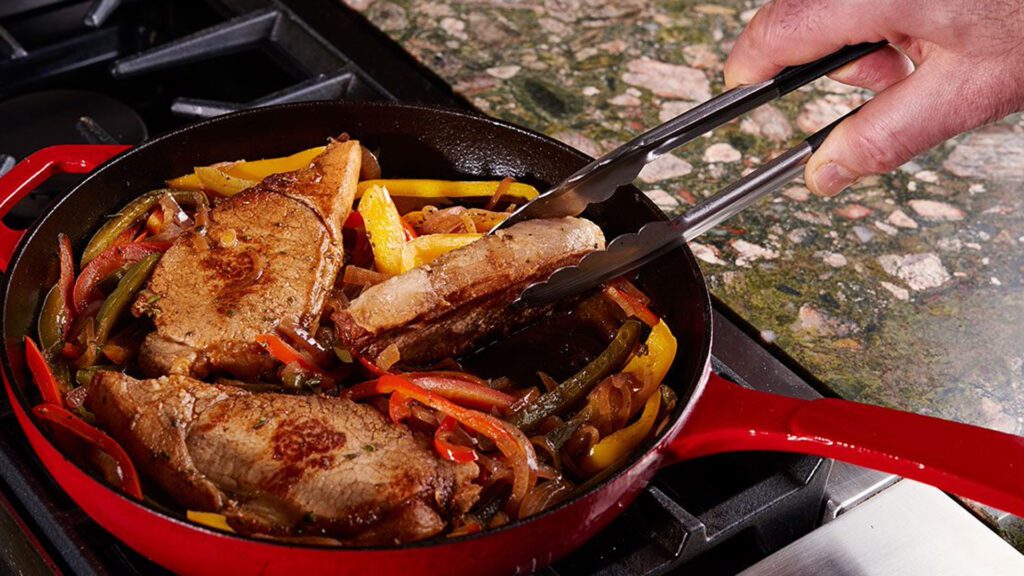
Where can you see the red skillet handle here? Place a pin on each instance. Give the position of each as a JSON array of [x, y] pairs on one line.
[[976, 463], [34, 170]]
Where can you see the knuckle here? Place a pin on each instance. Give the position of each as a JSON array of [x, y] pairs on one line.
[[769, 37], [998, 97], [880, 148], [780, 22], [769, 27]]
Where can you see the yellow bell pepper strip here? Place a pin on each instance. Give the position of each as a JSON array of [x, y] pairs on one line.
[[186, 182], [654, 361], [209, 519], [620, 443], [384, 229], [413, 188], [220, 182], [251, 170], [425, 249], [259, 169]]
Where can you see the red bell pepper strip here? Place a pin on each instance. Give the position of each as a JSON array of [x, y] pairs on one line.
[[370, 366], [410, 232], [285, 353], [470, 527], [42, 374], [354, 221], [66, 420], [511, 441], [455, 374], [362, 252], [399, 406], [87, 285], [129, 235], [71, 350], [66, 282], [447, 450], [629, 288], [631, 305], [465, 390]]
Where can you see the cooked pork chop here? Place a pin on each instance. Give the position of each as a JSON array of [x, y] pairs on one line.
[[269, 254], [444, 308], [280, 464]]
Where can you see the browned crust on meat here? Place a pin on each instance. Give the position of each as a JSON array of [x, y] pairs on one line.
[[281, 464], [150, 419], [445, 308], [327, 186], [269, 255]]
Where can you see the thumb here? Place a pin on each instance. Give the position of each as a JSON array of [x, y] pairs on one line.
[[906, 119]]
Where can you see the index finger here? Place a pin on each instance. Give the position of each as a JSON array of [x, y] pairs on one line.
[[790, 32]]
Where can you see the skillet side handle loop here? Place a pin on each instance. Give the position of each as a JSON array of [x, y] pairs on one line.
[[36, 169], [969, 461]]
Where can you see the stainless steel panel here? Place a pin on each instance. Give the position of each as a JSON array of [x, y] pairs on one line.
[[907, 530]]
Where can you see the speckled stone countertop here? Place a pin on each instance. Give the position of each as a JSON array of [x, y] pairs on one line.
[[906, 291]]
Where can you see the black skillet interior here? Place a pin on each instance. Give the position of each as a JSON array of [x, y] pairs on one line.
[[412, 141]]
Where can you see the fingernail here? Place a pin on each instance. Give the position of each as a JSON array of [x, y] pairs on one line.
[[831, 179]]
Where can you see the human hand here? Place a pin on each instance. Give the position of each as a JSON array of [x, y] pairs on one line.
[[969, 58]]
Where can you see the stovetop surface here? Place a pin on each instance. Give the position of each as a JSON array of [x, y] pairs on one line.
[[156, 65]]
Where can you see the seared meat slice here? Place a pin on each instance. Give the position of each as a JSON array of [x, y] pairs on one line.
[[269, 254], [281, 464], [445, 308]]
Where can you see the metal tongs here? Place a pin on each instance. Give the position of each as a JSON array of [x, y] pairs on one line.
[[598, 180]]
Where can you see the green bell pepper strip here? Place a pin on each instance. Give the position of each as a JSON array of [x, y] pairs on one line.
[[131, 214], [572, 391], [84, 376], [50, 320], [121, 298]]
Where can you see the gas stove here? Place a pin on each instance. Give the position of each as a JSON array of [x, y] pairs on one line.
[[119, 71]]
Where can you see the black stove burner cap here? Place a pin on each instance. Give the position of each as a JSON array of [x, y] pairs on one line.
[[40, 119]]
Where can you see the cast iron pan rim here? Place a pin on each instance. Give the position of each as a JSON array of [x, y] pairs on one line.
[[681, 409]]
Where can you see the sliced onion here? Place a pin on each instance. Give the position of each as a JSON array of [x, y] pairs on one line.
[[468, 224], [544, 449], [175, 220], [499, 192], [492, 469], [358, 276], [389, 357], [548, 382], [369, 168], [321, 355], [545, 495], [76, 397]]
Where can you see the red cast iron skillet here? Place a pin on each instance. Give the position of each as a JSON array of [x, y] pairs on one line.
[[713, 415]]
